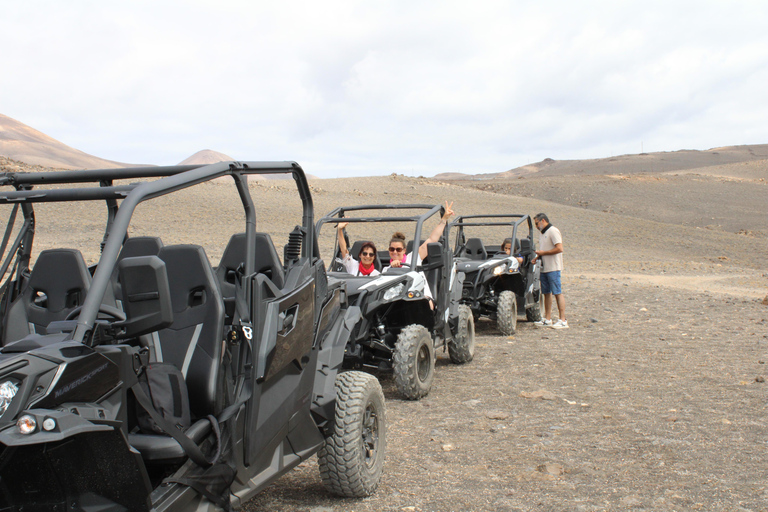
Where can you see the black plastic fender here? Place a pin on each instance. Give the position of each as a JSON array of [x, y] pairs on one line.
[[329, 361]]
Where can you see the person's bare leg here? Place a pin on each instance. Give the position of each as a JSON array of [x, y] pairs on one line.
[[548, 306], [560, 305]]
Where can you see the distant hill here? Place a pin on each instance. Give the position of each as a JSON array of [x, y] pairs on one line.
[[20, 142], [205, 157], [683, 160]]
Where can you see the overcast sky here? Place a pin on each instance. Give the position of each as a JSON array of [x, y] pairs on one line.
[[366, 88]]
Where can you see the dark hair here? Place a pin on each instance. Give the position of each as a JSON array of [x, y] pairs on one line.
[[505, 242], [541, 216], [398, 237], [367, 244]]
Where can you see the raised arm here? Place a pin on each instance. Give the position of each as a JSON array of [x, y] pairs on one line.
[[438, 231], [342, 243]]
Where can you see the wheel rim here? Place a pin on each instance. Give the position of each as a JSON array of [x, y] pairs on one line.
[[370, 437], [422, 363]]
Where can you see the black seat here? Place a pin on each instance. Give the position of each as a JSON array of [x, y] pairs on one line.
[[57, 285], [193, 343], [357, 247], [475, 250], [267, 263], [409, 246]]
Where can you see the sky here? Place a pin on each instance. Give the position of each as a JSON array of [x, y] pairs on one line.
[[362, 88]]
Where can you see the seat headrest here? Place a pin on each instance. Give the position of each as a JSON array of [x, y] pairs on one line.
[[140, 246], [190, 276], [62, 275]]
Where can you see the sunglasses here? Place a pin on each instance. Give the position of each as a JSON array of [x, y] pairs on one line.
[[366, 254], [396, 249]]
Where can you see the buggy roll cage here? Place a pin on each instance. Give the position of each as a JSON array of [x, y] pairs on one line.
[[171, 179], [515, 220], [338, 215]]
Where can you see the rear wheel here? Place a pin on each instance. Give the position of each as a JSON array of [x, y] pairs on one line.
[[461, 348], [414, 362], [533, 313], [506, 313], [352, 458]]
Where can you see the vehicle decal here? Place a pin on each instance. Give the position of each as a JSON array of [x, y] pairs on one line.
[[380, 281]]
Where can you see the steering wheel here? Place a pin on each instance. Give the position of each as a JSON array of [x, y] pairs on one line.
[[103, 308]]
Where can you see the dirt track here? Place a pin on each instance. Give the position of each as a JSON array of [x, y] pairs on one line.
[[654, 399]]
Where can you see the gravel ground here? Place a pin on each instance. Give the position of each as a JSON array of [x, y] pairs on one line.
[[654, 399]]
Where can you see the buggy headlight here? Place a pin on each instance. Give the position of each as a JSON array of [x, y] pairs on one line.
[[27, 424], [8, 390], [498, 270], [394, 292]]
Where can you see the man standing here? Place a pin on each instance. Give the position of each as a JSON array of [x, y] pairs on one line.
[[551, 253]]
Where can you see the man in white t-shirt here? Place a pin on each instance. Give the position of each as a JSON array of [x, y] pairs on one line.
[[551, 254]]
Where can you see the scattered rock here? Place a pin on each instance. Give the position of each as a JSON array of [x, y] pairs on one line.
[[765, 301], [497, 415], [543, 394], [551, 469], [448, 447], [594, 320], [759, 378]]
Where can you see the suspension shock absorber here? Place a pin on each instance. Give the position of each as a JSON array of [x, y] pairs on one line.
[[292, 249]]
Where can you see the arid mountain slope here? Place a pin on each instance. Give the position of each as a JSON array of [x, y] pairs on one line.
[[20, 142], [631, 164]]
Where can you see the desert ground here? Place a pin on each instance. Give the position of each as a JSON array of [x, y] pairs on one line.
[[654, 399]]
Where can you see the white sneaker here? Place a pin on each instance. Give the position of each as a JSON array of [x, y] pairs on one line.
[[560, 324], [544, 322]]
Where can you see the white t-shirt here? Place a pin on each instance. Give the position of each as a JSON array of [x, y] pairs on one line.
[[548, 240], [352, 266]]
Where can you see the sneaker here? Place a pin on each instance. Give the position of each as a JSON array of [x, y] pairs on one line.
[[560, 324], [544, 322]]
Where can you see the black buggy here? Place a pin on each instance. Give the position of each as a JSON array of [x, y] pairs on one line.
[[398, 330], [497, 285], [152, 381]]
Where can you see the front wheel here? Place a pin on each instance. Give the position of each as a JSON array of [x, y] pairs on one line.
[[506, 313], [413, 362], [461, 348], [352, 458]]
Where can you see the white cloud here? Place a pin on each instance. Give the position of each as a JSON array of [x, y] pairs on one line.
[[365, 88]]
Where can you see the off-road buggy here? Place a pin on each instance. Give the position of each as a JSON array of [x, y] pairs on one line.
[[496, 284], [399, 331], [152, 381]]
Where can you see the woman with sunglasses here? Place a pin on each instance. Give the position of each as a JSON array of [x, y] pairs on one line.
[[398, 257], [364, 264]]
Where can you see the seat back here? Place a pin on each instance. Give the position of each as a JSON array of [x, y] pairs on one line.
[[194, 341], [409, 246], [475, 250], [355, 251], [267, 262], [57, 285]]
